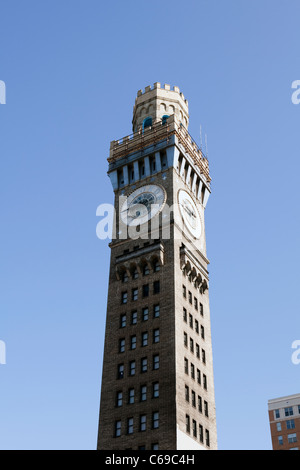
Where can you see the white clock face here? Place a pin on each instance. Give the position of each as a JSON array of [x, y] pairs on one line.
[[143, 204], [190, 213]]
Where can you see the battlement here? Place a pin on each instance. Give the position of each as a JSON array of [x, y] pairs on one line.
[[166, 87]]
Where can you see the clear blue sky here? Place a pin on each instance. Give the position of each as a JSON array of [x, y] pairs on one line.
[[72, 70]]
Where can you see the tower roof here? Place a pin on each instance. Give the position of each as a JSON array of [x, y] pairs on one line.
[[156, 102]]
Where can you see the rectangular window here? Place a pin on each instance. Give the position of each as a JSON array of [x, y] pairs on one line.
[[199, 404], [131, 396], [184, 291], [134, 317], [155, 389], [124, 297], [200, 433], [288, 411], [123, 320], [186, 365], [292, 438], [154, 446], [120, 373], [143, 423], [290, 424], [196, 303], [133, 342], [145, 290], [187, 393], [156, 335], [117, 428], [156, 311], [144, 364], [199, 376], [278, 426], [280, 440], [204, 382], [197, 326], [143, 392], [192, 371], [206, 408], [277, 414], [130, 426], [197, 350], [192, 345], [124, 276], [190, 298], [207, 441], [132, 368], [185, 315], [202, 332], [155, 420], [121, 345], [203, 356], [119, 399], [146, 270], [201, 309], [187, 424], [156, 361], [185, 339], [145, 338], [145, 313], [194, 428], [135, 294], [193, 399], [156, 287], [191, 320]]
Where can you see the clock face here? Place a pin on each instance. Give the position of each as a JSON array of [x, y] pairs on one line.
[[190, 213], [143, 204]]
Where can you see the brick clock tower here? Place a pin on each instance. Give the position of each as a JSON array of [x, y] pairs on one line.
[[157, 380]]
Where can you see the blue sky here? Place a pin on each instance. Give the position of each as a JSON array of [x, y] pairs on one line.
[[72, 70]]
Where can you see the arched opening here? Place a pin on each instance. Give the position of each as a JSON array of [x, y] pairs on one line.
[[164, 118], [147, 122]]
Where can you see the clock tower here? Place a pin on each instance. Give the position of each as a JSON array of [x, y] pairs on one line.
[[157, 380]]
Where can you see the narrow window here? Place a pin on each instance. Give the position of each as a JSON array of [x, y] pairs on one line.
[[187, 393], [197, 326], [185, 339], [199, 404], [184, 291], [135, 293], [194, 428], [145, 338], [144, 364], [143, 423], [156, 311], [206, 408], [130, 426], [156, 287], [191, 345], [119, 399], [121, 345], [156, 362], [131, 396], [143, 392], [156, 266], [117, 428], [134, 317], [145, 290], [193, 399], [123, 320], [187, 423], [124, 297], [156, 335], [145, 313], [192, 371], [146, 270], [133, 342], [155, 389], [200, 433], [186, 365], [132, 368], [207, 437], [190, 298], [120, 374], [155, 420], [184, 315]]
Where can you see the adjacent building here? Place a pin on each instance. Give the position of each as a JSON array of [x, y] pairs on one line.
[[157, 381], [284, 417]]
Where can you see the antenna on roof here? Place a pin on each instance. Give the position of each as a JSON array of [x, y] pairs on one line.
[[200, 137], [206, 149]]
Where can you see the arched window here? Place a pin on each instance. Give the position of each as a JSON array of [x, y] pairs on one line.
[[164, 118], [147, 122]]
